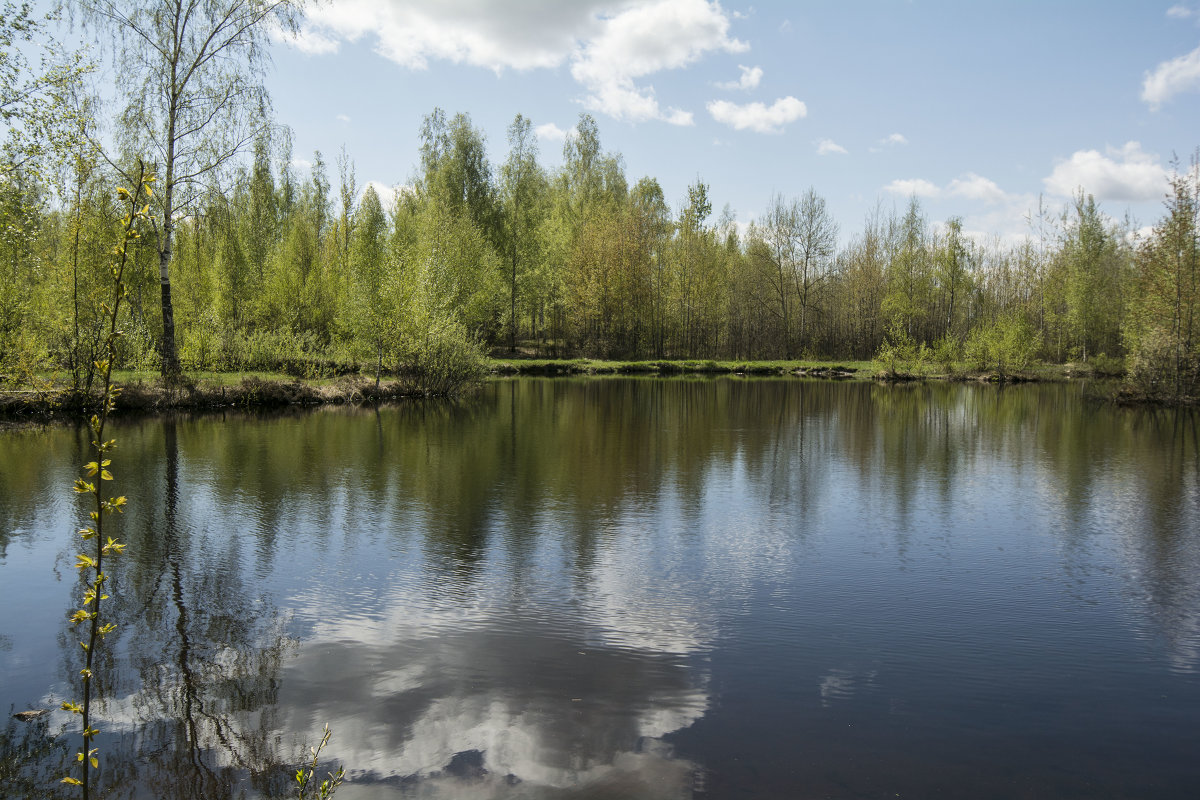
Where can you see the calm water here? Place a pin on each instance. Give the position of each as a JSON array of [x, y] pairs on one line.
[[629, 589]]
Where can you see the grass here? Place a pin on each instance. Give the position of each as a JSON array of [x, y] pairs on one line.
[[590, 366], [144, 391]]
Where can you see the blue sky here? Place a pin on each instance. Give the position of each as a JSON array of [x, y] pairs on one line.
[[977, 107]]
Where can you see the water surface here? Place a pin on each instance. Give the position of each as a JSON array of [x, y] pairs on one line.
[[633, 588]]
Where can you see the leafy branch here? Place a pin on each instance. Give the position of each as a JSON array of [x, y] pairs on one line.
[[325, 789], [98, 472]]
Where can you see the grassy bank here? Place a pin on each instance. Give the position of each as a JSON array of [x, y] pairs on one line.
[[589, 366], [861, 370], [210, 391], [145, 392]]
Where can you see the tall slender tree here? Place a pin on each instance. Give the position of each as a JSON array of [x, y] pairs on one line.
[[522, 183], [817, 234], [198, 102]]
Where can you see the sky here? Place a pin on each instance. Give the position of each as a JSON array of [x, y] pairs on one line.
[[977, 108]]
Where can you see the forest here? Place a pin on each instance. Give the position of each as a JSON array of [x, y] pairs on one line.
[[253, 265]]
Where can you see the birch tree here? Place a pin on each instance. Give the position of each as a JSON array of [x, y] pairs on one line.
[[198, 100]]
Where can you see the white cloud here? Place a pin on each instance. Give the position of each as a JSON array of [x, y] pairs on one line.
[[550, 133], [913, 186], [891, 140], [1003, 216], [343, 118], [610, 44], [1179, 12], [828, 147], [1140, 235], [976, 187], [969, 186], [643, 40], [533, 34], [757, 116], [1169, 78], [1124, 174], [309, 42], [751, 77]]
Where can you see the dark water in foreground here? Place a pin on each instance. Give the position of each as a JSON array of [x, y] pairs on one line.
[[629, 589]]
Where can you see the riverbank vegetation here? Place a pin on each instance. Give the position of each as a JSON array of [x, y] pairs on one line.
[[254, 266]]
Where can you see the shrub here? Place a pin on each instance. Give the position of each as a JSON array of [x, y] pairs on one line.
[[900, 354], [1006, 345], [1160, 368], [445, 358]]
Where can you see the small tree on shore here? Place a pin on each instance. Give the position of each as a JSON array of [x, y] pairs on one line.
[[1163, 332]]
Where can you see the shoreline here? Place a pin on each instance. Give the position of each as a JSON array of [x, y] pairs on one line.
[[143, 395], [225, 391], [250, 393]]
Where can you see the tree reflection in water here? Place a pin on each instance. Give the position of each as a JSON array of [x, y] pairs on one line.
[[637, 588]]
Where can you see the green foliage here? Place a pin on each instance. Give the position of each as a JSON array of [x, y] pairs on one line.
[[1163, 331], [900, 354], [98, 472], [947, 352], [269, 274], [35, 107], [1094, 279], [1007, 345], [1155, 369], [306, 788], [443, 358], [909, 281]]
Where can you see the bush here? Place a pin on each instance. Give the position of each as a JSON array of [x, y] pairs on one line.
[[445, 359], [900, 354], [1107, 366], [1005, 345], [948, 352], [1160, 368]]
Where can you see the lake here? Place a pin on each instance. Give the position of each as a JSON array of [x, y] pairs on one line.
[[633, 588]]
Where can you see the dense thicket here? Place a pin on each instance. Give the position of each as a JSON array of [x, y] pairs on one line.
[[276, 269]]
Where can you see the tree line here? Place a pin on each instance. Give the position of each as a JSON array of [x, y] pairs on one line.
[[254, 266]]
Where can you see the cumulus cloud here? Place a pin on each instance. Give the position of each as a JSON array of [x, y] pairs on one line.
[[1169, 78], [995, 215], [1179, 12], [641, 41], [751, 77], [891, 140], [969, 186], [758, 117], [610, 45], [310, 42], [828, 147], [976, 187], [909, 187], [1125, 174], [540, 33], [550, 133]]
